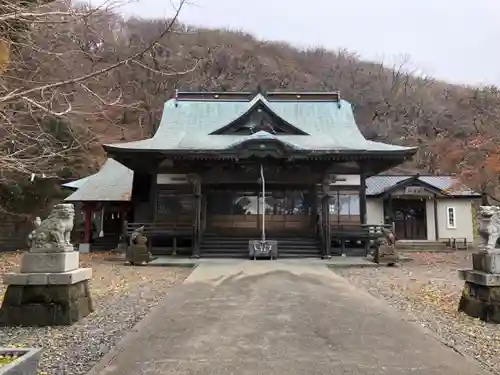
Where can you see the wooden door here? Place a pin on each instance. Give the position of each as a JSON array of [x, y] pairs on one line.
[[410, 219]]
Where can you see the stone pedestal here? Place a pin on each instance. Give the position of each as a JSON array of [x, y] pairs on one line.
[[50, 290], [481, 293], [46, 305]]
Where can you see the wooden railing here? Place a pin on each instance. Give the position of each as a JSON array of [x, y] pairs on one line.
[[159, 228], [174, 230], [367, 234]]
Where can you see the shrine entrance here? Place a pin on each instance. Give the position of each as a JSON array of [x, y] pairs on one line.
[[410, 222], [239, 212]]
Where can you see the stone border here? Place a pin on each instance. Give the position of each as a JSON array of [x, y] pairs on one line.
[[26, 364]]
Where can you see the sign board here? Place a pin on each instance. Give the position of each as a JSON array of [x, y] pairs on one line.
[[416, 190], [346, 180], [171, 179]]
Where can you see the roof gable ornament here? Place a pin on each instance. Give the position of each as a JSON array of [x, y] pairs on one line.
[[262, 145], [260, 90], [259, 117]]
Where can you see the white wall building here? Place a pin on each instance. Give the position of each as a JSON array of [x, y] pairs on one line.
[[422, 208]]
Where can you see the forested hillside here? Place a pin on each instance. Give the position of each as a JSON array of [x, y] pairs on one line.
[[82, 77]]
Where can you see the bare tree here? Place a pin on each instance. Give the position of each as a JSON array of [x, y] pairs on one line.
[[54, 59]]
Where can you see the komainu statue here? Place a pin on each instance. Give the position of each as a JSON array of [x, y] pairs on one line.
[[137, 251], [385, 250], [54, 233], [488, 227]]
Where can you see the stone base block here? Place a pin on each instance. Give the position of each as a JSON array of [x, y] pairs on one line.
[[45, 305], [50, 262], [61, 278], [486, 262], [480, 277], [480, 301]]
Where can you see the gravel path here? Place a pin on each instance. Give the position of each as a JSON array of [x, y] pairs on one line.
[[428, 289], [122, 296]]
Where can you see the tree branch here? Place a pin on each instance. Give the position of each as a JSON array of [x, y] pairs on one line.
[[19, 94]]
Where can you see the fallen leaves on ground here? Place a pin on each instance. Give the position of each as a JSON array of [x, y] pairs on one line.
[[9, 261], [109, 275]]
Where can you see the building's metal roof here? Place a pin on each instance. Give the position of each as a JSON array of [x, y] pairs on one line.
[[112, 183], [188, 124], [76, 184], [376, 185]]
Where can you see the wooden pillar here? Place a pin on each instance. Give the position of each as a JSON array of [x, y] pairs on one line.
[[362, 199], [314, 207], [87, 223], [153, 197], [325, 213], [362, 208], [328, 231], [436, 222], [197, 218], [203, 213], [391, 210]]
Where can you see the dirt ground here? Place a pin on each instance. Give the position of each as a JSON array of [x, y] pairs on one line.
[[428, 288]]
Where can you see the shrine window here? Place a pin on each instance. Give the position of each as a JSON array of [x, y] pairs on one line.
[[451, 218]]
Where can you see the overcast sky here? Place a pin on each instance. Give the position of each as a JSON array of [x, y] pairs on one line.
[[456, 40]]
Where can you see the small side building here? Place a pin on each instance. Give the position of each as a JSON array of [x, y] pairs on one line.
[[422, 208]]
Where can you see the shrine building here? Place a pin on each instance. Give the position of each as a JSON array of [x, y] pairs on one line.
[[222, 167]]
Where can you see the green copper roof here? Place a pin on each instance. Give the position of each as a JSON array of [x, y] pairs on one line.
[[186, 125]]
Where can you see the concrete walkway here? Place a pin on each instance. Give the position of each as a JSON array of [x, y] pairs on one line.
[[277, 318]]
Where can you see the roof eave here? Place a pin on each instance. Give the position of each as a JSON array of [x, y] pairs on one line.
[[390, 153]]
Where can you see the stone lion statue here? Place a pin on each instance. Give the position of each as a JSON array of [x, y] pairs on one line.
[[488, 227], [137, 251], [385, 246], [54, 233]]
